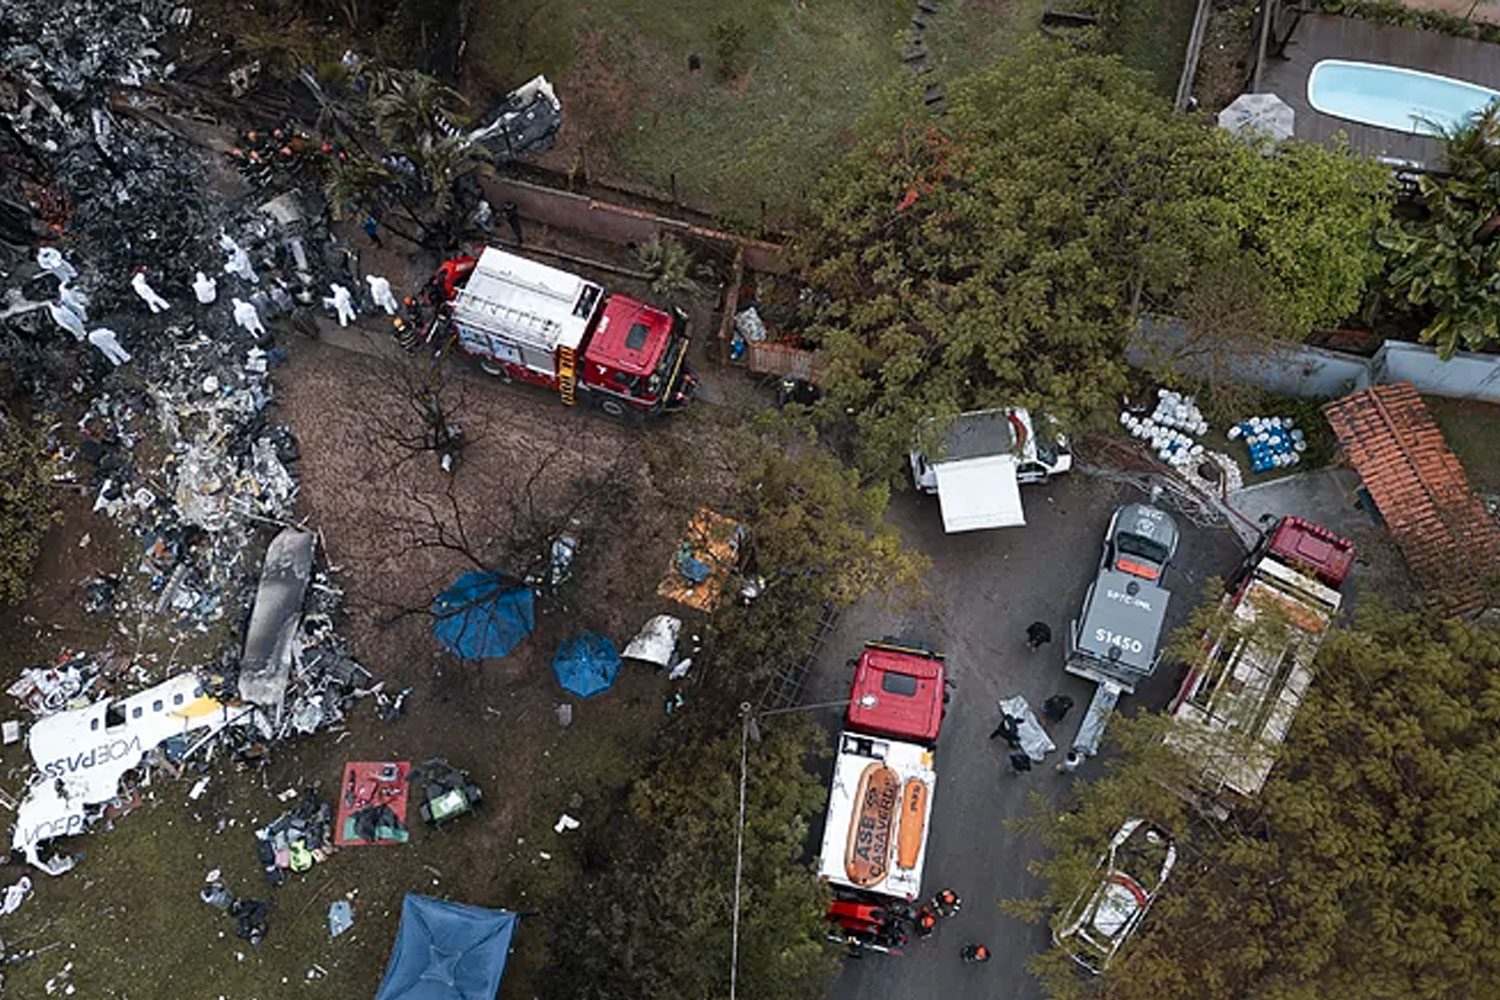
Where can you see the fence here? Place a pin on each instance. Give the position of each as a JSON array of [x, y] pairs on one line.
[[1314, 372]]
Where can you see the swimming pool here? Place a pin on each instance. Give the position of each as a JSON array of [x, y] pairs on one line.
[[1403, 100]]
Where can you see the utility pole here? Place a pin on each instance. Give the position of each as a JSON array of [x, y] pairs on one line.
[[750, 730]]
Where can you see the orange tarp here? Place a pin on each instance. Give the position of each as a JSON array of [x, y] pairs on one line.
[[713, 540]]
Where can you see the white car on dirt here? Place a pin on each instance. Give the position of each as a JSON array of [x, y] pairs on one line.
[[1113, 903]]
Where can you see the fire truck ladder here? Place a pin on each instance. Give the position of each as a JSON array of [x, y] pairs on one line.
[[567, 374]]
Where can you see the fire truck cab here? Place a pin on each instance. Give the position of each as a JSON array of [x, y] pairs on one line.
[[535, 323]]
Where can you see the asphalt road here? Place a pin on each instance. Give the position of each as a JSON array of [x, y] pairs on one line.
[[984, 588]]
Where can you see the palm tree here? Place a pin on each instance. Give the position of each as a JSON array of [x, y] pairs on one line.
[[352, 186], [408, 106], [670, 265]]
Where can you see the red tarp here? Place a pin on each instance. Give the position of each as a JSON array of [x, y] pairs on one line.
[[370, 785]]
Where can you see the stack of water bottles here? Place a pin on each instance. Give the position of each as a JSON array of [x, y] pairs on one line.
[[1273, 442], [1171, 428]]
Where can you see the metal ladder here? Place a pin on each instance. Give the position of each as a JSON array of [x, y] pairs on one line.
[[567, 374]]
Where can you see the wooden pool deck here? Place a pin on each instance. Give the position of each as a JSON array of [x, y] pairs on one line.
[[1327, 36]]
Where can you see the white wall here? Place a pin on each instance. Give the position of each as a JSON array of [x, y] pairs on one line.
[[1312, 371]]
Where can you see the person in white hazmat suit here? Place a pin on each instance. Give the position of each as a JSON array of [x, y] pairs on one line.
[[68, 320], [73, 300], [340, 302], [380, 291], [109, 345], [205, 289], [51, 260], [239, 261], [246, 316], [148, 294]]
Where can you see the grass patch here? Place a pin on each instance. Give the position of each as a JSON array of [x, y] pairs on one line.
[[1470, 429], [1153, 36], [755, 133]]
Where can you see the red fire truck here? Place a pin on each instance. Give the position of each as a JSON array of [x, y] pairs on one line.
[[880, 801], [534, 323]]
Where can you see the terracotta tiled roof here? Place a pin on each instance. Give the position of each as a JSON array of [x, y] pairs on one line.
[[1449, 539]]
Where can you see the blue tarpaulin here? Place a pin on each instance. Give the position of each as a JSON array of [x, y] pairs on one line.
[[483, 614], [586, 664], [447, 951]]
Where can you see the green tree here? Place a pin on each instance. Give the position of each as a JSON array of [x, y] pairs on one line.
[[1308, 216], [656, 920], [1369, 867], [407, 106], [1002, 258], [26, 506], [1445, 262], [353, 186], [653, 915], [819, 539], [670, 265], [1005, 256]]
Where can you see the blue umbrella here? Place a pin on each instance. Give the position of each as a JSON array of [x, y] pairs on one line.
[[447, 951], [482, 615], [586, 664]]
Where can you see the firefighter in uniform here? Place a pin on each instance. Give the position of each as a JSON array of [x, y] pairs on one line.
[[405, 334]]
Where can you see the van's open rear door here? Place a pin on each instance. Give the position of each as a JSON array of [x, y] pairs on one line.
[[979, 493]]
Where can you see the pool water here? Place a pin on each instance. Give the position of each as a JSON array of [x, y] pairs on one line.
[[1392, 97]]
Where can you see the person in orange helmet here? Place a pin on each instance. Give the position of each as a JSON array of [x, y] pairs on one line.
[[947, 903], [975, 953], [925, 921]]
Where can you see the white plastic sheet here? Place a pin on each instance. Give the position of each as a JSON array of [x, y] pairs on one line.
[[1035, 742]]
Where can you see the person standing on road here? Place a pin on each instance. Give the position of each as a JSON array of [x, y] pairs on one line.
[[1070, 763], [372, 229], [1019, 762], [1038, 634], [947, 903], [974, 953], [1055, 708]]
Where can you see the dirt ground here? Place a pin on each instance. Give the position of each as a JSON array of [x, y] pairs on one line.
[[128, 923]]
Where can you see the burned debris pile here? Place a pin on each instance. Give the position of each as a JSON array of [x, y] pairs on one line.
[[136, 287]]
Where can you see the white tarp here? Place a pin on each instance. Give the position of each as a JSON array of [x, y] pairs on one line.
[[656, 642], [1035, 742], [81, 755], [979, 493]]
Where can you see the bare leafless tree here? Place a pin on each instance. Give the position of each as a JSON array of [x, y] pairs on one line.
[[430, 422]]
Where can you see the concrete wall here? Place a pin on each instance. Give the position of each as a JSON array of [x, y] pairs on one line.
[[1312, 372], [619, 224], [1306, 371], [1464, 376]]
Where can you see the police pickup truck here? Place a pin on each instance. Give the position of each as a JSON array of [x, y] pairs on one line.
[[1114, 642]]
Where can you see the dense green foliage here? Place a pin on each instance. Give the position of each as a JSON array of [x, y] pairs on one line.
[[26, 507], [1444, 262], [653, 919], [653, 915], [1005, 257], [1368, 868]]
